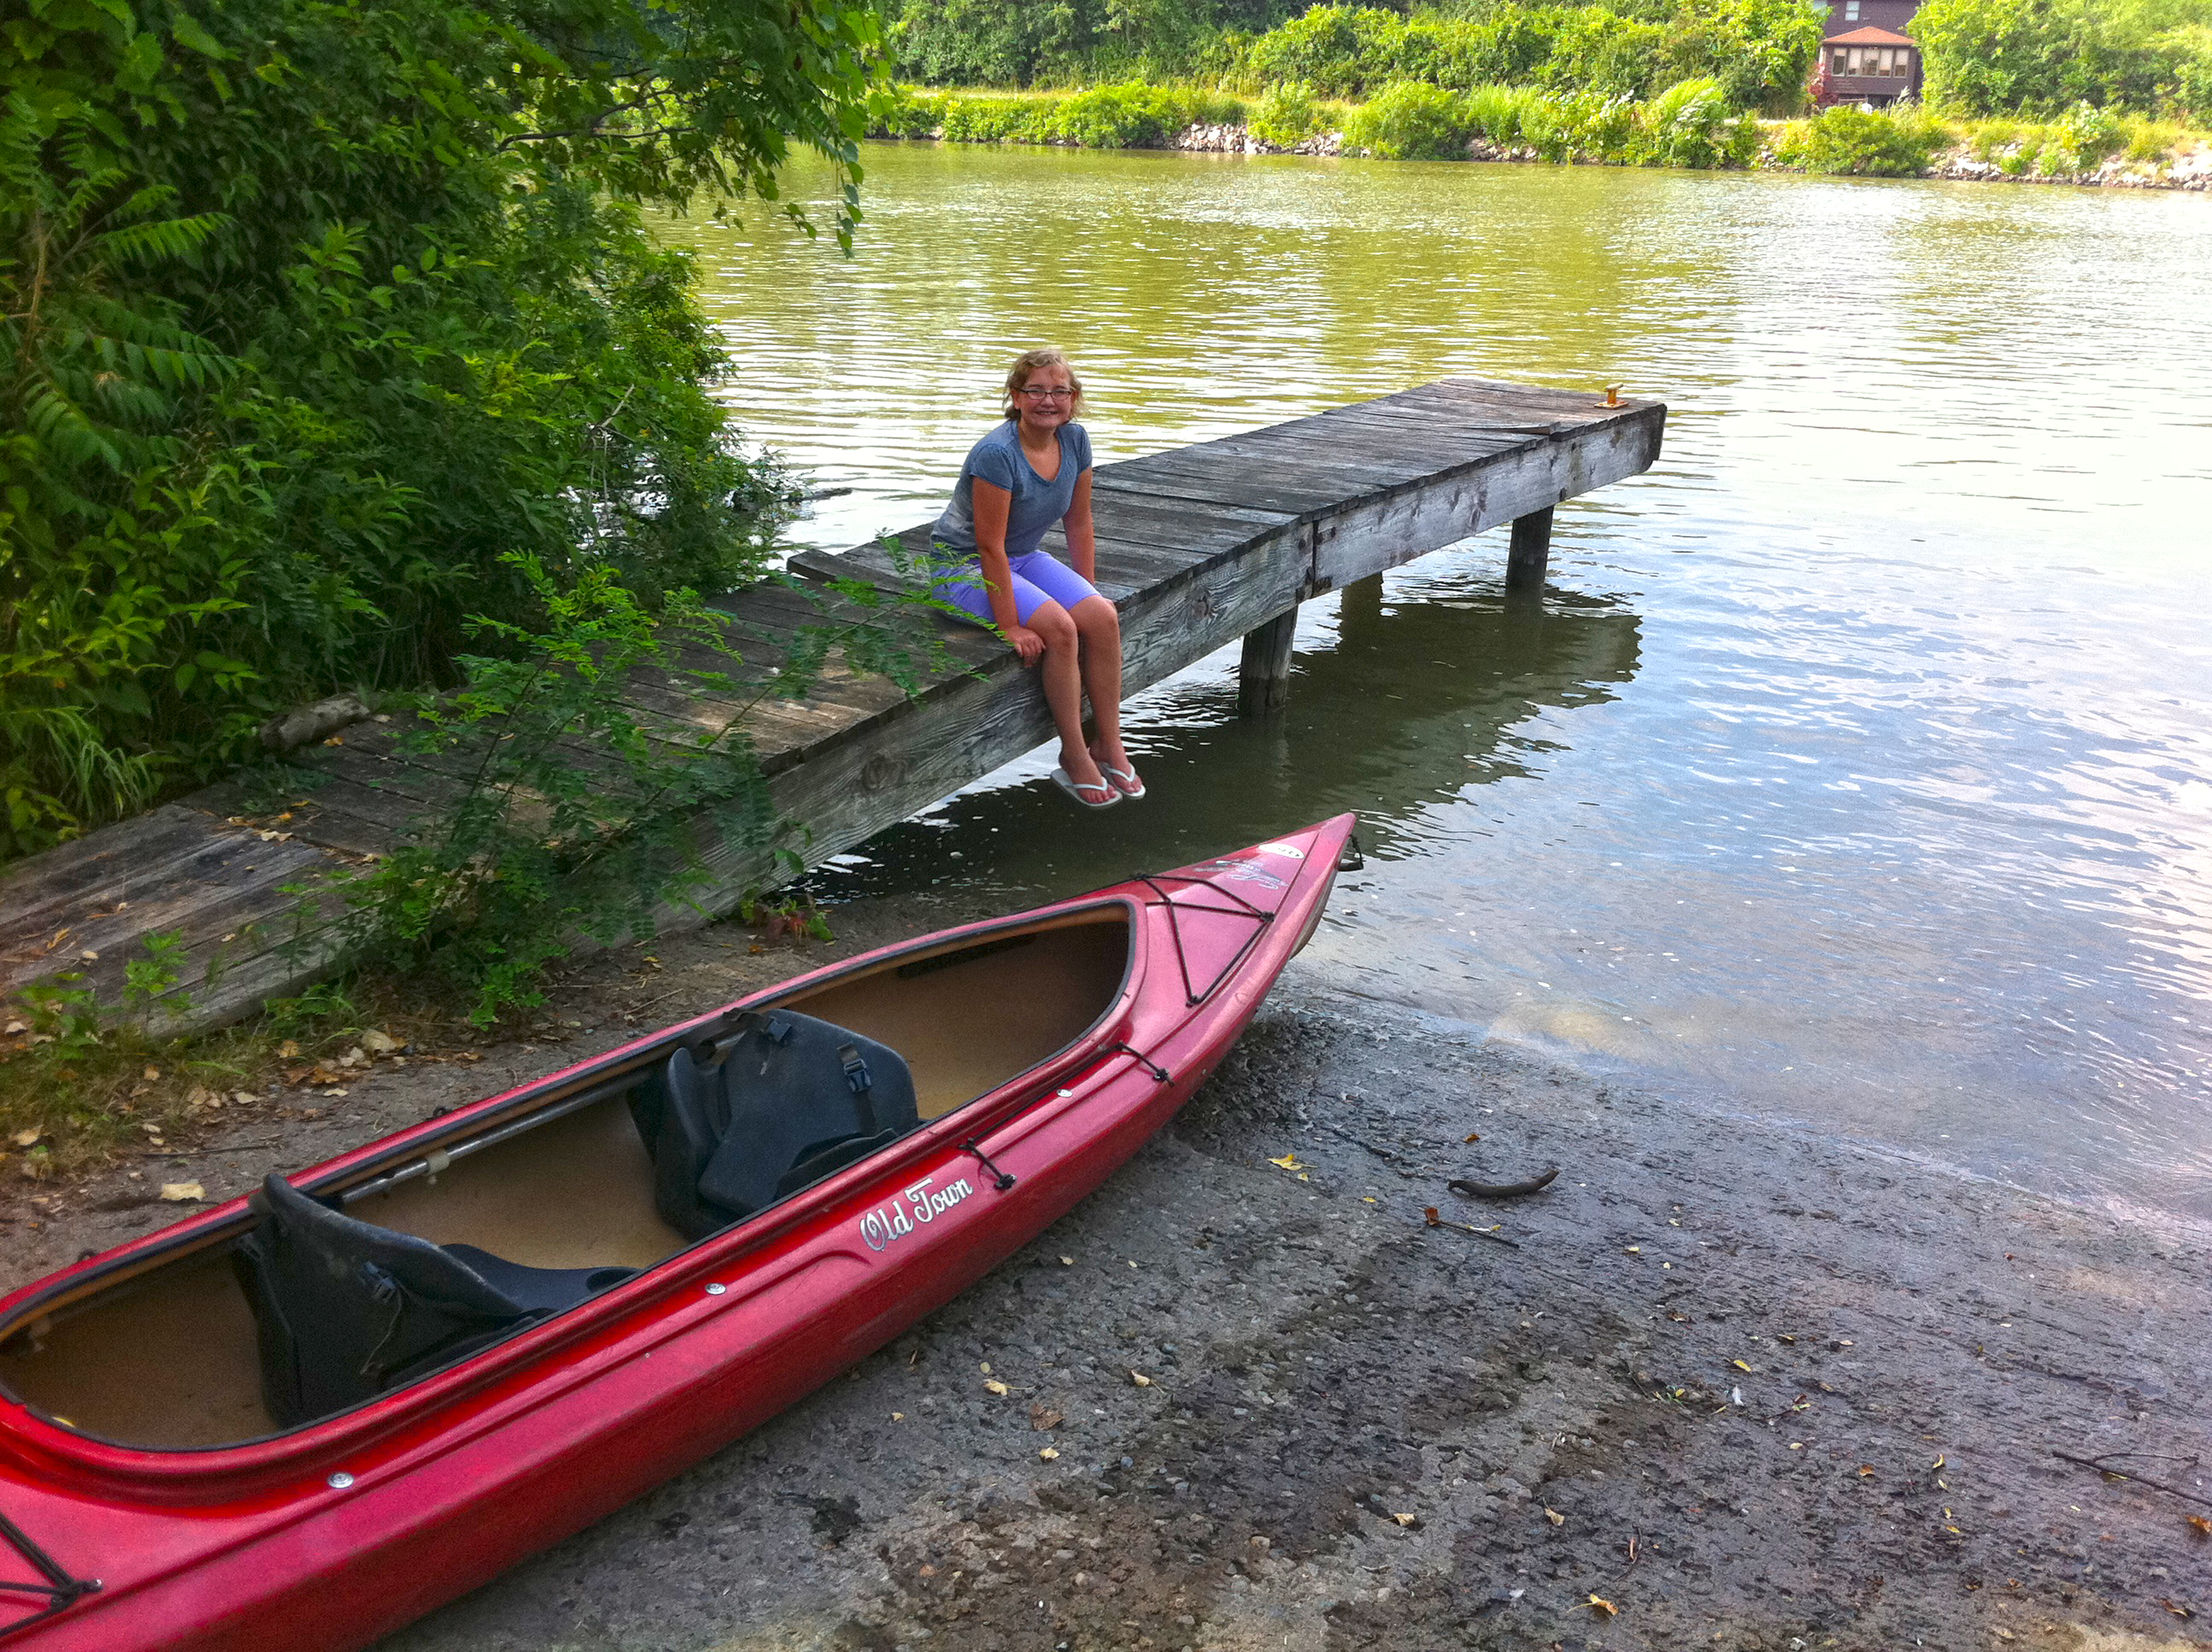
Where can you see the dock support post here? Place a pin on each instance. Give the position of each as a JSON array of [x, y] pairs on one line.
[[1263, 681], [1530, 551]]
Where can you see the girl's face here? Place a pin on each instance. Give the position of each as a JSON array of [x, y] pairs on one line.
[[1046, 398]]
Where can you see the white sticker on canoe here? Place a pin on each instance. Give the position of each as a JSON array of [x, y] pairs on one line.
[[1237, 871], [1284, 849], [918, 1206]]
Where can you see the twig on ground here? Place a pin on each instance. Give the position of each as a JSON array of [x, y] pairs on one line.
[[2103, 1465], [208, 1153], [1436, 1220], [1535, 1184], [1386, 1153]]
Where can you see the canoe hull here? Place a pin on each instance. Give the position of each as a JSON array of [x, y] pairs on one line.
[[453, 1485]]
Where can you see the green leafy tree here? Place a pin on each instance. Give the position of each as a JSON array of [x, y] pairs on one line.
[[2187, 53], [2041, 57], [312, 311]]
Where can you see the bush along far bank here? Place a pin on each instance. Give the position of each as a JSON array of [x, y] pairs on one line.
[[1688, 124]]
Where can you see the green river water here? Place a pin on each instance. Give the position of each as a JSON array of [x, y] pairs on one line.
[[1858, 767]]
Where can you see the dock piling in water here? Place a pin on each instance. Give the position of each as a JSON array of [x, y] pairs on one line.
[[1529, 551], [1198, 546], [1263, 678]]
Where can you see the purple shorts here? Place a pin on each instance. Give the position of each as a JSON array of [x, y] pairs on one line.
[[1039, 578]]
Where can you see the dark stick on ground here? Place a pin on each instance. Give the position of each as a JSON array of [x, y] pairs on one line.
[[1535, 1184], [2104, 1465]]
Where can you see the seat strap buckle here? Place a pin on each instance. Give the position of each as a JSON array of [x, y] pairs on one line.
[[857, 1077]]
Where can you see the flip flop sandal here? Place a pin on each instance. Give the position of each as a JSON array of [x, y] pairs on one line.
[[1125, 781], [1076, 789]]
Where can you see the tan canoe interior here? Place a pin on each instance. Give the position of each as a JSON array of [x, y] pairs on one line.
[[167, 1358]]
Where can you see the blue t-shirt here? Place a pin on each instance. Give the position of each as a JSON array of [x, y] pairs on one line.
[[1037, 504]]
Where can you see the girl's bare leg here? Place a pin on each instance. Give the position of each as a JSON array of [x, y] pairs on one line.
[[1063, 689], [1099, 627]]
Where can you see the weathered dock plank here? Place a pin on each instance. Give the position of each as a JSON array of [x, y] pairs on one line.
[[1198, 546]]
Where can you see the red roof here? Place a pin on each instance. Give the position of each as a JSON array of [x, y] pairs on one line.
[[1868, 37]]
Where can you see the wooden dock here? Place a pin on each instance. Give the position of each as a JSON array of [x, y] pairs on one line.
[[1197, 546]]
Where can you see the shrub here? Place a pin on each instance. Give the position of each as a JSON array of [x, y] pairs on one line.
[[986, 120], [1894, 143], [1547, 126], [1207, 106], [1496, 111], [1411, 121], [1607, 128], [2080, 139], [1131, 117], [1288, 115], [1691, 125]]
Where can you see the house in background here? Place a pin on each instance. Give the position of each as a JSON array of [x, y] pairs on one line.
[[1866, 65], [1868, 55]]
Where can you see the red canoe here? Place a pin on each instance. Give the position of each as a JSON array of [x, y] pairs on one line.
[[305, 1419]]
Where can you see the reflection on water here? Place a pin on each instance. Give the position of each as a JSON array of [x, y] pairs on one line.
[[1857, 766], [1365, 730]]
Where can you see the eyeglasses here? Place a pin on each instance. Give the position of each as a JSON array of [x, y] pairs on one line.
[[1037, 394]]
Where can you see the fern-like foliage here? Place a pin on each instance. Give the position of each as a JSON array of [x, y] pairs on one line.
[[311, 310]]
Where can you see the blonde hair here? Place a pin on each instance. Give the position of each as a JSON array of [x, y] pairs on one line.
[[1026, 364]]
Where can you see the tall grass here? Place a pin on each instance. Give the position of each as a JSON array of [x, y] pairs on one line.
[[1496, 111]]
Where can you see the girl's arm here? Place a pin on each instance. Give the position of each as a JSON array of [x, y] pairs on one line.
[[990, 503], [1082, 540]]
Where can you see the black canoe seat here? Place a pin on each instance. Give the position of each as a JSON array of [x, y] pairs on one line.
[[346, 1310], [736, 1125]]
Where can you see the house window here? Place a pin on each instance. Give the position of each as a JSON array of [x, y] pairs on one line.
[[1850, 11]]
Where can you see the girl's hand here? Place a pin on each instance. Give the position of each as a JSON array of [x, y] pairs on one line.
[[1026, 643]]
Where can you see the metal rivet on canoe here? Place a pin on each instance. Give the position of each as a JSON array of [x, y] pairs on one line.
[[339, 1481], [716, 1289]]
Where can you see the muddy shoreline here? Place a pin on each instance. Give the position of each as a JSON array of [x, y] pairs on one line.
[[1746, 1386]]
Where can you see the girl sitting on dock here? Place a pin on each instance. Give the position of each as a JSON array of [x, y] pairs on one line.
[[1032, 471]]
